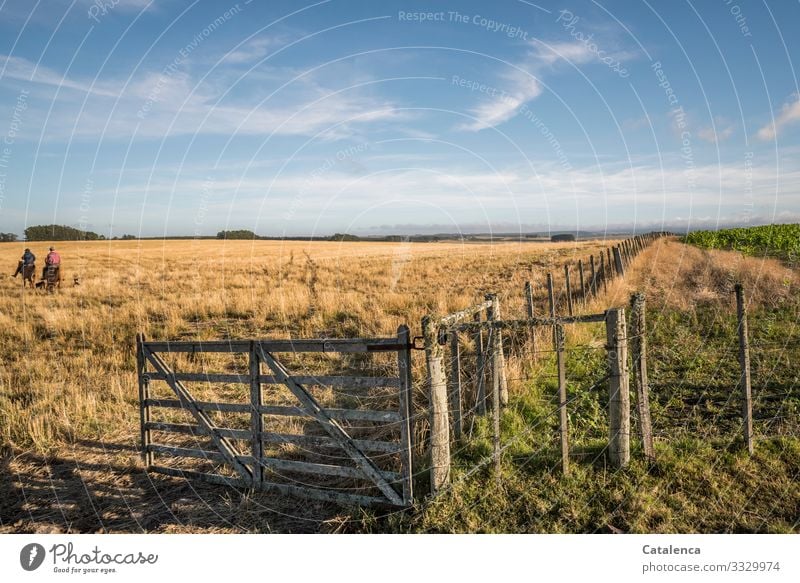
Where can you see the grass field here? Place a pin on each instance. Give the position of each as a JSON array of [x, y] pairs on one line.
[[68, 396]]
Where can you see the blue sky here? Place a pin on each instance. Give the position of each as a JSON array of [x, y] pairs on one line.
[[185, 118]]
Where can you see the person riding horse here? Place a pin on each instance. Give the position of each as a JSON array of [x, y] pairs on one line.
[[52, 268], [26, 267]]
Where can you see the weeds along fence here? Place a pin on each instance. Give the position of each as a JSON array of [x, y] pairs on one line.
[[470, 344], [334, 419]]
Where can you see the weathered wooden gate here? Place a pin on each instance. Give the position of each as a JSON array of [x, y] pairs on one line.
[[305, 435]]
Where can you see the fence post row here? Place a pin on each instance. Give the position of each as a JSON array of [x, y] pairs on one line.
[[639, 359], [744, 364], [496, 347], [618, 388], [437, 398]]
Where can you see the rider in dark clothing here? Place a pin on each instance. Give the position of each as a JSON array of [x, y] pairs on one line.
[[28, 260]]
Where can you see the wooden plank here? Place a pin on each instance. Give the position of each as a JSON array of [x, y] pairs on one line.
[[618, 389], [563, 419], [346, 382], [173, 451], [405, 413], [341, 414], [353, 382], [322, 441], [517, 324], [286, 345], [639, 359], [456, 317], [284, 489], [256, 420], [224, 445], [202, 405], [480, 364], [437, 398], [454, 380], [321, 469], [744, 364], [186, 429], [336, 432], [144, 407]]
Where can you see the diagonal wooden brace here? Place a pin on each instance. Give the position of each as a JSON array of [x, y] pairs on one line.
[[337, 433], [225, 446]]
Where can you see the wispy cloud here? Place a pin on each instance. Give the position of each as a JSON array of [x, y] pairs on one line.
[[168, 103], [721, 130], [790, 113], [523, 83]]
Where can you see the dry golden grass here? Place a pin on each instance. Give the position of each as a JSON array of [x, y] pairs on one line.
[[68, 395], [67, 382]]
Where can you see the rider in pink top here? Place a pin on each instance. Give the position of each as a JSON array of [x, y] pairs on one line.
[[52, 258]]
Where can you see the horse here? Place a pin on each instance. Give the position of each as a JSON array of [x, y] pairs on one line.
[[51, 277], [27, 271]]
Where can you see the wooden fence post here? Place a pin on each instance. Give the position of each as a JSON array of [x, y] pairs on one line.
[[498, 359], [455, 384], [480, 368], [529, 305], [603, 273], [406, 433], [558, 337], [744, 363], [619, 406], [495, 399], [618, 262], [256, 419], [144, 396], [608, 261], [639, 359], [593, 281], [437, 398], [569, 290], [583, 283], [550, 297]]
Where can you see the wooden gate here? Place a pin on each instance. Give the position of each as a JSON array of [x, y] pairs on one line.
[[306, 435]]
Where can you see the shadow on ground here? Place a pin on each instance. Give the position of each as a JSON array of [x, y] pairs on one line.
[[98, 487]]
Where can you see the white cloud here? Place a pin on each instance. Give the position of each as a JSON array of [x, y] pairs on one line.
[[522, 84], [790, 113], [254, 50], [520, 88], [719, 132]]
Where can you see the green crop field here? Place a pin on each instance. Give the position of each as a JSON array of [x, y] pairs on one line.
[[781, 241]]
